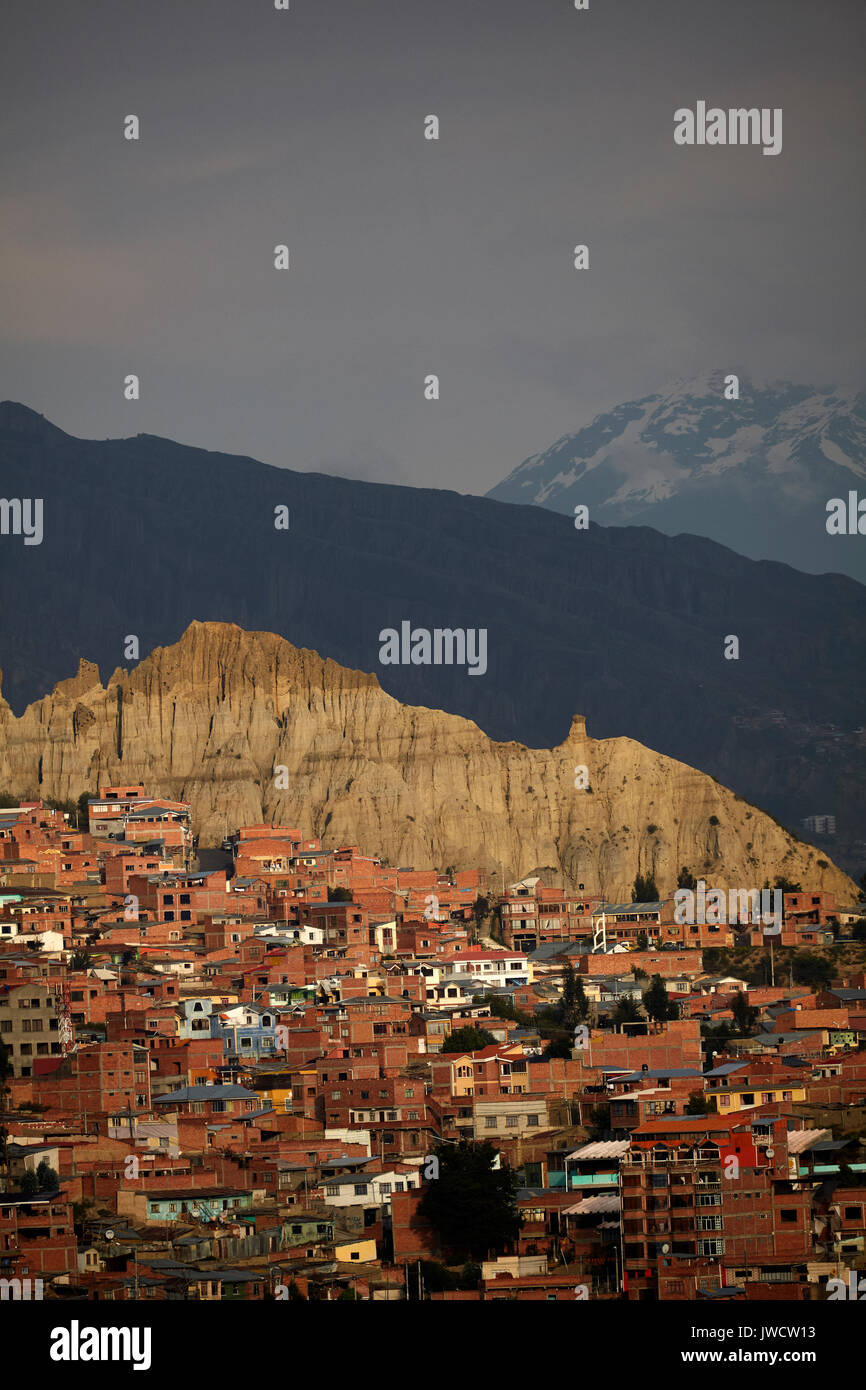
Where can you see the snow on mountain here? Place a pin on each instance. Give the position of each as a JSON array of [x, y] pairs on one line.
[[754, 473]]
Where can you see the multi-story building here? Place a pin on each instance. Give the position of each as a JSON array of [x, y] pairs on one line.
[[716, 1194], [30, 1016]]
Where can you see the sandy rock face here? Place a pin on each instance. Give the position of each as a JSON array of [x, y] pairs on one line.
[[210, 719]]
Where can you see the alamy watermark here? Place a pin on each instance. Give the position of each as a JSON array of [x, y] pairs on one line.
[[22, 516], [736, 126], [846, 519], [77, 1343], [28, 1290], [443, 646], [715, 908]]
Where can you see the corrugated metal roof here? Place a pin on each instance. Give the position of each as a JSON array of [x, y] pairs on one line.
[[801, 1139], [587, 1205], [603, 1148]]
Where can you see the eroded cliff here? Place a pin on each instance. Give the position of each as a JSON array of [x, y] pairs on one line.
[[212, 717]]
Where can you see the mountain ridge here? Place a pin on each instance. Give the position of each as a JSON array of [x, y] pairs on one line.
[[754, 474], [212, 717], [625, 624]]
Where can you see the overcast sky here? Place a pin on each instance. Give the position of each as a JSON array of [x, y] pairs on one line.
[[410, 256]]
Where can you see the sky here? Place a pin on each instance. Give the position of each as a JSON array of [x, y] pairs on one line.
[[407, 256]]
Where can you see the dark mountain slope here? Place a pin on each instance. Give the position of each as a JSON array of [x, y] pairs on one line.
[[625, 625]]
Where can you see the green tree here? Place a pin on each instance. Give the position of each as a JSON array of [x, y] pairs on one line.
[[787, 885], [599, 1119], [501, 1007], [480, 909], [29, 1184], [468, 1039], [432, 1276], [812, 969], [80, 1212], [657, 1002], [699, 1104], [339, 895], [626, 1011], [685, 879], [574, 1004], [716, 1037], [47, 1177], [471, 1205], [645, 890], [745, 1017], [557, 1047]]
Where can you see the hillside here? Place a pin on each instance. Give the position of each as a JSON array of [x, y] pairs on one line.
[[211, 718], [142, 535]]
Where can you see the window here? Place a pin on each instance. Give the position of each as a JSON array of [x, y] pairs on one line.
[[511, 1122], [789, 1214], [490, 1121], [532, 1119], [360, 1189]]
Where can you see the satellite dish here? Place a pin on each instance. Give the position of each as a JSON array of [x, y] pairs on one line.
[[770, 1153], [666, 1249], [109, 1235]]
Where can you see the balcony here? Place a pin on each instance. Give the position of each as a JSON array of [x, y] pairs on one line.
[[592, 1179]]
